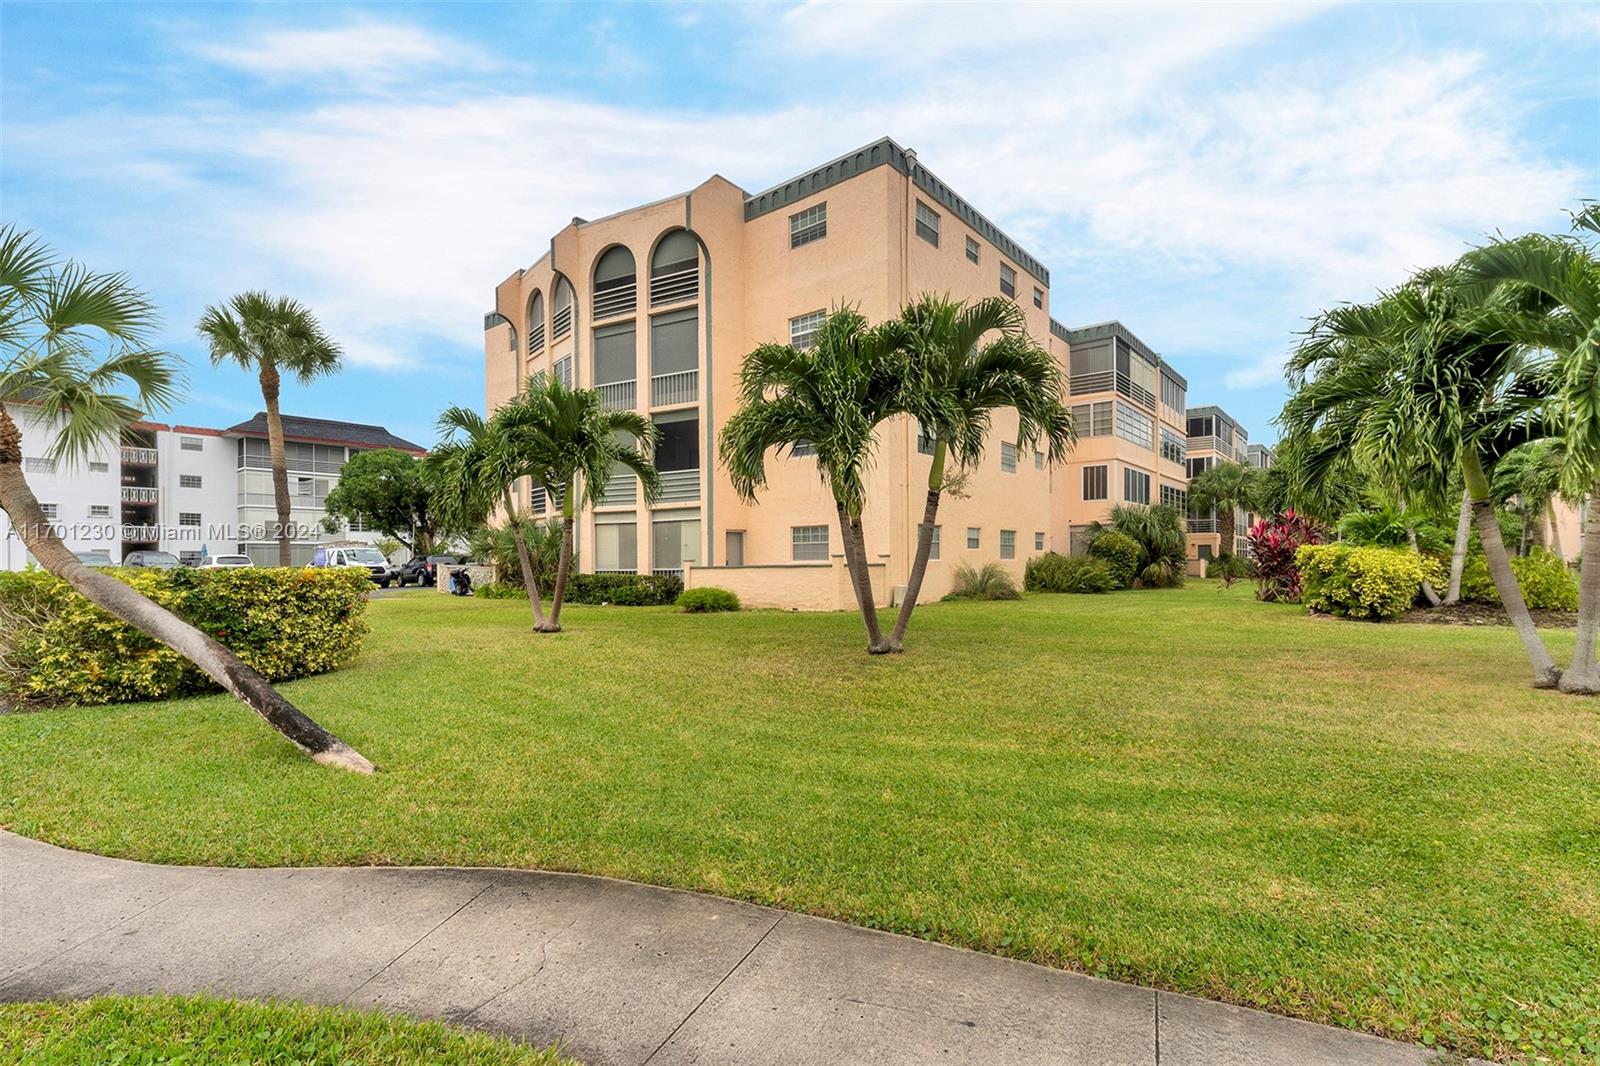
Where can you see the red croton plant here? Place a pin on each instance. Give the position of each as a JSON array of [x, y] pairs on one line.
[[1273, 542]]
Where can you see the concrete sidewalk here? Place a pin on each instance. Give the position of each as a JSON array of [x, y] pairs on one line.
[[616, 972]]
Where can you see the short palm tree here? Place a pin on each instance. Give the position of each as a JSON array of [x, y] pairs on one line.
[[965, 361], [831, 396], [1528, 479], [75, 345], [568, 443], [271, 335], [1160, 532], [1225, 487]]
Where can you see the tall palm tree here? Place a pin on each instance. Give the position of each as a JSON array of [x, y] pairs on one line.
[[570, 445], [74, 344], [964, 362], [831, 396], [1563, 273], [1224, 487], [271, 335], [1415, 386]]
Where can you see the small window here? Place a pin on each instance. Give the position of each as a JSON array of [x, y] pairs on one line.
[[1008, 544], [304, 486], [810, 543], [1038, 460], [927, 223], [972, 250], [925, 441], [189, 481], [1135, 486], [933, 547], [99, 510], [1008, 457], [188, 518], [192, 444], [1038, 297], [39, 466], [190, 558], [803, 329], [1038, 542], [99, 468], [974, 538], [1094, 483], [50, 510], [801, 449], [808, 225], [1008, 281]]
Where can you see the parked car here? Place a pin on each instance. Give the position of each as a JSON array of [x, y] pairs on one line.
[[363, 556], [226, 562], [95, 558], [424, 570], [154, 560]]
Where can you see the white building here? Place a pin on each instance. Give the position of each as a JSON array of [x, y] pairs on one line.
[[190, 490]]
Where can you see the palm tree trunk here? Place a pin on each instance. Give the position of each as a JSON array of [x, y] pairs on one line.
[[1555, 529], [919, 564], [855, 560], [280, 462], [1583, 676], [564, 565], [1545, 672], [529, 582], [1458, 557], [1225, 527], [121, 601], [1411, 538]]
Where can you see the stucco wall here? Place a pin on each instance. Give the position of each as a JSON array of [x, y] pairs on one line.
[[791, 586]]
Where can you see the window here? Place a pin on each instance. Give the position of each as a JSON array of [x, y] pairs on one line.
[[1008, 281], [616, 543], [192, 444], [675, 269], [99, 510], [1094, 483], [1038, 296], [933, 547], [674, 540], [674, 350], [1008, 457], [1173, 394], [974, 538], [99, 468], [1038, 542], [1196, 467], [678, 447], [1092, 420], [50, 510], [39, 466], [1038, 460], [927, 223], [972, 250], [925, 440], [616, 283], [1134, 425], [803, 329], [808, 225], [801, 449], [188, 518], [1174, 449], [562, 371], [561, 310], [1135, 486], [1008, 544], [535, 331], [189, 481], [615, 363], [810, 543], [1171, 496]]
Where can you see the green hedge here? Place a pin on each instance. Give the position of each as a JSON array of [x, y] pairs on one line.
[[1546, 581], [1053, 572], [1363, 582], [625, 590], [57, 647], [708, 599], [1121, 553]]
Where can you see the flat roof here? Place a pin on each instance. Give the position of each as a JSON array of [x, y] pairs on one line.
[[1212, 409], [1114, 328]]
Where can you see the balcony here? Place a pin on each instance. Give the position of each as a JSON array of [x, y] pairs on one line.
[[1218, 446], [618, 395], [139, 456], [680, 387], [137, 494], [680, 486], [135, 534], [1202, 525], [1106, 381], [675, 286]]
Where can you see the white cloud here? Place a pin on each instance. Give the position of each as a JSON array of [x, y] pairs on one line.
[[362, 50], [1262, 371]]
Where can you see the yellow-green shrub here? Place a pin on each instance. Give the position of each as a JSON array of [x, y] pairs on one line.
[[1546, 581], [1362, 582], [57, 647]]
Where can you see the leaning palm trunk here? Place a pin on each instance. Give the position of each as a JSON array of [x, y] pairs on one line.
[[1555, 528], [1458, 556], [919, 564], [563, 567], [1411, 538], [855, 560], [530, 582], [280, 461], [1545, 672], [118, 599], [1583, 676]]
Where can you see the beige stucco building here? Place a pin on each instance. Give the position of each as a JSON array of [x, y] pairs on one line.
[[657, 305]]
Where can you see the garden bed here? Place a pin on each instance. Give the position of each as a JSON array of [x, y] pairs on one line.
[[1483, 614]]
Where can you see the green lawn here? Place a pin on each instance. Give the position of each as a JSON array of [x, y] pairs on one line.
[[181, 1029], [1381, 827]]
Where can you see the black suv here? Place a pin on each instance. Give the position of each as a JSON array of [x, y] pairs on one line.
[[424, 570]]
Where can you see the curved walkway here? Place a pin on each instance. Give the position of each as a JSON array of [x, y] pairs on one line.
[[617, 972]]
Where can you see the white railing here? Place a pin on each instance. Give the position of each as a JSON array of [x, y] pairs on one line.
[[617, 300], [618, 395], [1202, 525], [675, 286], [140, 456], [608, 570], [134, 494], [668, 571], [1108, 380], [620, 489], [680, 486], [141, 534], [561, 323], [680, 387], [536, 339], [1217, 445]]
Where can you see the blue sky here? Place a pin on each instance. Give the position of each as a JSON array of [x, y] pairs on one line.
[[1209, 175]]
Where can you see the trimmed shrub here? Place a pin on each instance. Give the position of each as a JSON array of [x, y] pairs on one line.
[[1274, 544], [624, 590], [992, 582], [500, 590], [1547, 583], [1121, 554], [57, 647], [1362, 582], [1053, 572], [707, 599]]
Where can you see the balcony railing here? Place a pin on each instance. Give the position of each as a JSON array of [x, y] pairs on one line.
[[682, 386], [668, 571], [135, 494], [141, 534], [680, 486], [1223, 449], [619, 395], [140, 456], [674, 286], [610, 570], [616, 300], [1202, 525], [1107, 380]]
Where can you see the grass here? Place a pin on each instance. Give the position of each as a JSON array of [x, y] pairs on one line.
[[1381, 827], [199, 1029]]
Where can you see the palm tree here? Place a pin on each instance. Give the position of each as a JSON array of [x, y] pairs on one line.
[[71, 342], [1563, 273], [964, 362], [1160, 532], [1224, 487], [830, 396], [271, 335], [1529, 478], [1414, 386], [567, 441]]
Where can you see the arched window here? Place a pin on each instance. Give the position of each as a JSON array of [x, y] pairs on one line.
[[616, 285], [535, 330], [561, 310], [675, 269]]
